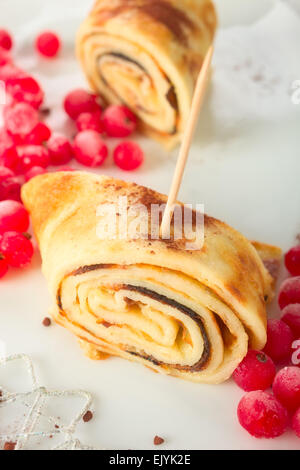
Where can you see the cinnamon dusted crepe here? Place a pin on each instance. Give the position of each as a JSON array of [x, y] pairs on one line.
[[147, 55], [190, 314]]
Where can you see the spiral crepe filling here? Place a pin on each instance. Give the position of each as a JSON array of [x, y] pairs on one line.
[[147, 54], [187, 314]]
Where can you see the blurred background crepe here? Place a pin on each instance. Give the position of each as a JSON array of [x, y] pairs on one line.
[[190, 314], [147, 54], [239, 167]]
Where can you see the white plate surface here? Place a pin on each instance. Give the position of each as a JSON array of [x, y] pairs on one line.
[[247, 175]]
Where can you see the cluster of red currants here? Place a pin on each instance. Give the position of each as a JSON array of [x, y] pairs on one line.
[[27, 144], [16, 249], [261, 413], [93, 124]]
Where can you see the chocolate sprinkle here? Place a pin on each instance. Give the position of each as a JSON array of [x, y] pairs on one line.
[[157, 441], [45, 112], [88, 416], [46, 322], [9, 446]]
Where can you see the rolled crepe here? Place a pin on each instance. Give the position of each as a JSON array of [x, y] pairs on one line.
[[190, 314], [147, 55]]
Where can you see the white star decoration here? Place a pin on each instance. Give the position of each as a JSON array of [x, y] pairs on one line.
[[34, 402]]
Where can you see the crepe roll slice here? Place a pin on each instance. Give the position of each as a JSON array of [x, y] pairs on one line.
[[187, 313], [147, 54]]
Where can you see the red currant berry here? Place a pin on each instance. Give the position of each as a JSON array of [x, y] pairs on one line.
[[296, 423], [34, 171], [8, 151], [10, 72], [289, 292], [60, 150], [5, 57], [13, 217], [10, 188], [128, 156], [48, 44], [30, 156], [90, 150], [291, 316], [5, 173], [80, 101], [286, 387], [262, 415], [6, 41], [16, 249], [3, 267], [255, 372], [25, 89], [90, 121], [292, 261], [119, 121], [39, 135], [20, 120], [280, 338]]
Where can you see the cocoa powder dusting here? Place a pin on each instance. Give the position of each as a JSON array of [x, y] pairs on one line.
[[162, 11]]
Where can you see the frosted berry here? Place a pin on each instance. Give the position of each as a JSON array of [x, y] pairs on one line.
[[262, 415], [5, 57], [16, 249], [25, 89], [289, 292], [3, 267], [6, 41], [291, 316], [48, 44], [80, 101], [8, 151], [34, 171], [128, 156], [119, 121], [13, 217], [286, 387], [157, 441], [91, 121], [20, 120], [296, 423], [65, 168], [32, 155], [255, 372], [39, 135], [60, 150], [10, 188], [90, 149], [280, 338], [292, 261]]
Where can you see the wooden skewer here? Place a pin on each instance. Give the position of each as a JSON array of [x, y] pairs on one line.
[[186, 142]]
